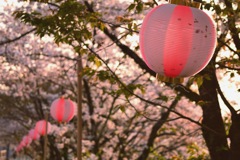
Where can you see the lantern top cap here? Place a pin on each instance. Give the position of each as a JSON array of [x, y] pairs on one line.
[[190, 3]]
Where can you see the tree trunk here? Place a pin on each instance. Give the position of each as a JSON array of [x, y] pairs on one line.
[[216, 139], [234, 135]]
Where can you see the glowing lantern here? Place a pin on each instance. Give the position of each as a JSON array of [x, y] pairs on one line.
[[177, 41], [41, 127], [62, 110], [33, 133]]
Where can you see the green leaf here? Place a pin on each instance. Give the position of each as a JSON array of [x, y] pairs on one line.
[[131, 7], [97, 62], [163, 98], [218, 9], [199, 81], [151, 4], [88, 71], [102, 26], [207, 77], [122, 108], [207, 6], [142, 88], [135, 27], [139, 7], [130, 26], [103, 75]]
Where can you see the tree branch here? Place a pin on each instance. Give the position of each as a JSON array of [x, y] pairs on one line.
[[149, 101], [17, 38]]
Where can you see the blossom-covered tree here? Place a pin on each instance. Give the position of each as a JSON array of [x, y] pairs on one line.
[[127, 113]]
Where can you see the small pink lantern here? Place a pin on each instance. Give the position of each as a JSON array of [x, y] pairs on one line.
[[33, 133], [18, 148], [177, 41], [62, 110], [41, 127], [26, 141], [22, 144]]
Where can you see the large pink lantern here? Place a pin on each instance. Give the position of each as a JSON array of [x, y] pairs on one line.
[[33, 133], [62, 110], [176, 40], [41, 127]]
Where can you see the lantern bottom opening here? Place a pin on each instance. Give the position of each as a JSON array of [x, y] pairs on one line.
[[174, 80]]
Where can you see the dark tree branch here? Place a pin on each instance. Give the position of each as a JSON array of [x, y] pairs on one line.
[[225, 44], [223, 66], [17, 38], [52, 56], [126, 50], [156, 104]]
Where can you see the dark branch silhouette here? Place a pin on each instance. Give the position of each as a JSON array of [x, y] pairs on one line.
[[17, 38]]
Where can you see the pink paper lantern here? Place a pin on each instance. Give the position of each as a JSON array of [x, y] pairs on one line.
[[41, 127], [22, 144], [176, 40], [26, 141], [33, 133], [62, 110], [19, 148]]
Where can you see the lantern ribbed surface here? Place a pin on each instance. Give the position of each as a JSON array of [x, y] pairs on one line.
[[62, 110], [176, 40], [41, 127]]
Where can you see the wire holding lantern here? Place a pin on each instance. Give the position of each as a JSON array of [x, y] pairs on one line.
[[177, 41]]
